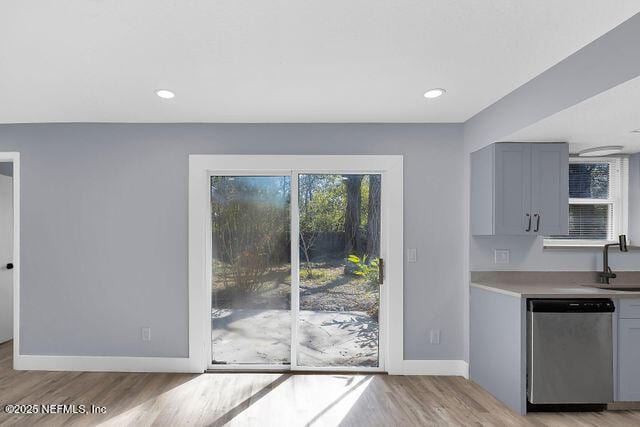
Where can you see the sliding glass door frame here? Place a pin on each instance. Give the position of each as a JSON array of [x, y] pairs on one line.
[[295, 268], [295, 275], [203, 167]]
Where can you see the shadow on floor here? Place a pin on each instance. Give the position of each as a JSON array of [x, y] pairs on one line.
[[245, 404]]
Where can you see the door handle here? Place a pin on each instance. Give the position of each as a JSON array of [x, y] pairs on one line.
[[528, 229], [380, 271], [10, 266], [535, 230]]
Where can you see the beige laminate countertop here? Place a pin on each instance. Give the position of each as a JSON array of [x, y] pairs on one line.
[[553, 290]]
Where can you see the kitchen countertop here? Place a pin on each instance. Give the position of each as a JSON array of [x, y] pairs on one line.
[[554, 290]]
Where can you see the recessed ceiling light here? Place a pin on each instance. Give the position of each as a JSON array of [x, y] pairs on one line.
[[434, 93], [601, 151], [165, 94]]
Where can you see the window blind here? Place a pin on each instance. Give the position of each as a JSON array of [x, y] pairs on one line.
[[591, 221]]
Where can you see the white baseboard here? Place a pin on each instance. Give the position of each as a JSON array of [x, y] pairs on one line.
[[104, 364], [183, 364], [458, 368]]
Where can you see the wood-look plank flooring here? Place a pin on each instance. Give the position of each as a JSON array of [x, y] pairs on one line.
[[270, 400]]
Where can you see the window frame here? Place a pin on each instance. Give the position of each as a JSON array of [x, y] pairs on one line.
[[618, 198]]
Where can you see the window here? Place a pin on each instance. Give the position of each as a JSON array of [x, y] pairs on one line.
[[597, 201]]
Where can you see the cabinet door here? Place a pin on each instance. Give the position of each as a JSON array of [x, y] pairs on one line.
[[550, 189], [512, 188], [629, 360]]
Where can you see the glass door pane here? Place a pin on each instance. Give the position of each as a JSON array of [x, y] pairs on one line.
[[251, 251], [339, 289]]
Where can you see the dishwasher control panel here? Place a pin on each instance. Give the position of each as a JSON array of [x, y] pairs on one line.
[[560, 305]]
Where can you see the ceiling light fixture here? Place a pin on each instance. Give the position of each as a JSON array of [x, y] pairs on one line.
[[434, 93], [165, 93], [601, 151]]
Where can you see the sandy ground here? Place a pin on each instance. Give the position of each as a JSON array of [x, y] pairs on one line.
[[327, 338]]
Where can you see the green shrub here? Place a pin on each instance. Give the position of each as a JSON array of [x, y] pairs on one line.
[[361, 267]]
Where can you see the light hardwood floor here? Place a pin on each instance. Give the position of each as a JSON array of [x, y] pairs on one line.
[[269, 399]]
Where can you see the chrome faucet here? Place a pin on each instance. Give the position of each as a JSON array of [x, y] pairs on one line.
[[607, 274]]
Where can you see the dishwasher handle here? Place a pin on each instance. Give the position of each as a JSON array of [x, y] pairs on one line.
[[590, 305]]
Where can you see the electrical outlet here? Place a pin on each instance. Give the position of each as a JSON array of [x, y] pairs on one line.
[[434, 336], [501, 256], [412, 255], [146, 334]]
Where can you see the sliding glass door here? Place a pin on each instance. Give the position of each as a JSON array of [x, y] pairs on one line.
[[339, 287], [320, 312], [251, 289]]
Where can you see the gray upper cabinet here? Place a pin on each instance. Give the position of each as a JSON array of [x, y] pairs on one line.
[[520, 189], [550, 189], [512, 185]]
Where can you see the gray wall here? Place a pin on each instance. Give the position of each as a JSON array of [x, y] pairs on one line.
[[104, 227]]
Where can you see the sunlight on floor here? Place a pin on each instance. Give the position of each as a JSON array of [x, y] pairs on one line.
[[323, 399], [337, 410], [278, 400]]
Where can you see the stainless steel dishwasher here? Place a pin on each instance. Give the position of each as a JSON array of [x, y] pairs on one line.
[[569, 351]]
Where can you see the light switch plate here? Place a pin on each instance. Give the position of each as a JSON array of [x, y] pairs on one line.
[[146, 334], [501, 256], [412, 255]]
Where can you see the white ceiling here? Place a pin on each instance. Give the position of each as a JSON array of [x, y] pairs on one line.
[[605, 119], [284, 60]]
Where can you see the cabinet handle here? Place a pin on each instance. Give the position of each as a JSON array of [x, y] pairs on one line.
[[528, 229], [535, 230]]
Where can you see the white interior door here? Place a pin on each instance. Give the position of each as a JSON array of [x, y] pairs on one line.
[[6, 253]]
